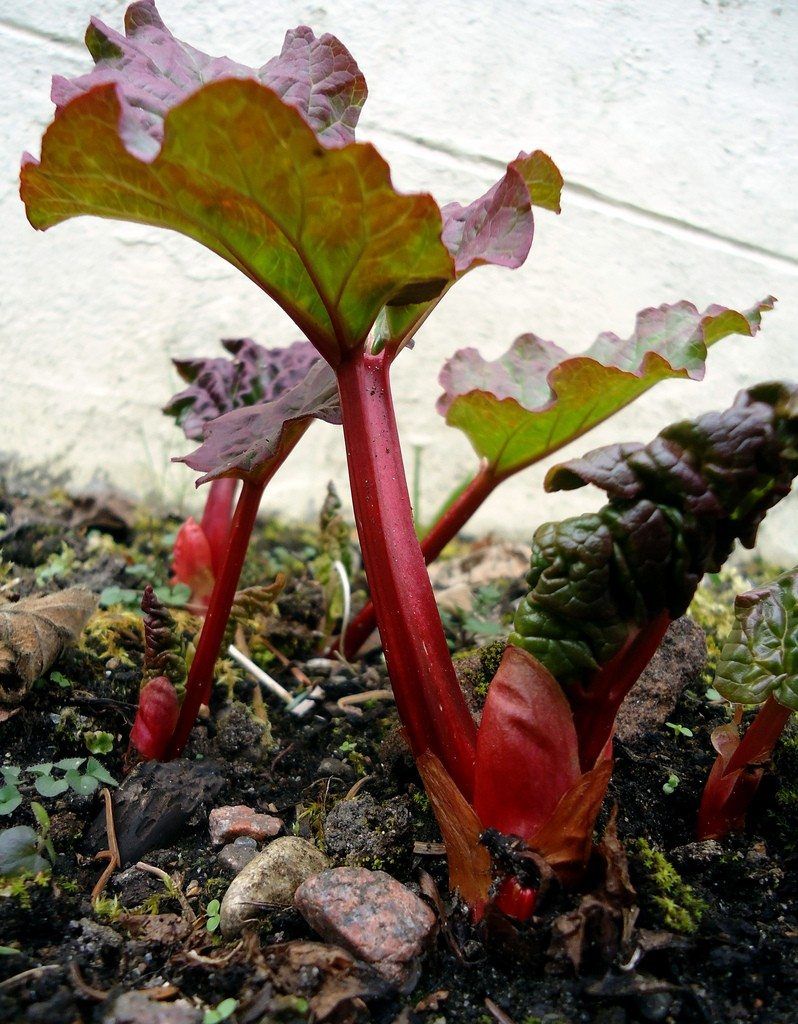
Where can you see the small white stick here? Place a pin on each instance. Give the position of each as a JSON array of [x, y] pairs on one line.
[[347, 592], [257, 673]]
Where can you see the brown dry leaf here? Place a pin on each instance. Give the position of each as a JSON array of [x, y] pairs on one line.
[[469, 861], [34, 632], [166, 929], [332, 980]]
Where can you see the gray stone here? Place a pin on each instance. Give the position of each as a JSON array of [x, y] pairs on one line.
[[677, 663], [372, 915], [363, 833], [235, 856], [137, 1008], [269, 880]]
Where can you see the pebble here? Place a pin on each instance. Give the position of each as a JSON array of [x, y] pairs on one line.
[[137, 1008], [228, 823], [331, 766], [370, 914], [269, 880], [236, 855]]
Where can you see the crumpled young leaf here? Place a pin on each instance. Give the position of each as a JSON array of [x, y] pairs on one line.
[[677, 506], [247, 442], [536, 398], [33, 633], [760, 656], [154, 72], [218, 385]]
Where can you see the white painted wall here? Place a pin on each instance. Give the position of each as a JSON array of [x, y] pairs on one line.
[[673, 122]]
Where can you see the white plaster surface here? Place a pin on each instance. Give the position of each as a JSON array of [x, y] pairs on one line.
[[673, 121]]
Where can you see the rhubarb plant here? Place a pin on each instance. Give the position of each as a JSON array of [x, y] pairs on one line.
[[261, 166], [216, 386], [758, 666], [535, 399]]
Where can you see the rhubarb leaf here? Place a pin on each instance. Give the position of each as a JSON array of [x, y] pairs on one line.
[[218, 385], [760, 656], [677, 506], [498, 227], [154, 71], [526, 734], [322, 231], [534, 399], [247, 443]]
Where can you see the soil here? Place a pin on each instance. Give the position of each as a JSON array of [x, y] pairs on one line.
[[708, 932]]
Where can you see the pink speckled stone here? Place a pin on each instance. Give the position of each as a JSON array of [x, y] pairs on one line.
[[228, 823], [369, 913]]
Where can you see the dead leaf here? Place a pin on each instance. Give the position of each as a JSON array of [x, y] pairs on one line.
[[105, 510], [34, 632], [166, 929], [433, 1001], [469, 861]]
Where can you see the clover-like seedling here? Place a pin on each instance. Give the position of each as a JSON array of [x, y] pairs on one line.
[[213, 912]]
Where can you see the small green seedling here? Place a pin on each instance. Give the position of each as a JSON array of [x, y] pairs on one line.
[[680, 730], [671, 784], [82, 782], [10, 796], [61, 680], [176, 597], [221, 1012], [213, 912], [22, 848], [99, 742]]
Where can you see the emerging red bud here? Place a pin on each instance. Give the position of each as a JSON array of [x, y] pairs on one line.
[[156, 718], [193, 562]]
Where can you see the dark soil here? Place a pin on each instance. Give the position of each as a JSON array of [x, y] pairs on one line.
[[712, 932]]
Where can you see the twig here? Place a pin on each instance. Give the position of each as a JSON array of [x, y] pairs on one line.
[[86, 990], [352, 699], [112, 853], [347, 594], [497, 1012], [295, 671], [258, 673], [33, 972], [172, 886]]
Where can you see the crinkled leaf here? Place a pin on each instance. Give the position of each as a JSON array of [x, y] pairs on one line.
[[536, 398], [526, 734], [34, 631], [253, 374], [677, 506], [248, 442], [154, 71], [498, 227], [19, 851], [760, 656], [321, 230]]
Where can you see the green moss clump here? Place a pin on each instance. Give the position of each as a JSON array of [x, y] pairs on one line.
[[678, 906], [475, 668], [784, 816]]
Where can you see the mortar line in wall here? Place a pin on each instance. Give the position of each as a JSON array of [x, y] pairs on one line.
[[29, 33], [592, 198]]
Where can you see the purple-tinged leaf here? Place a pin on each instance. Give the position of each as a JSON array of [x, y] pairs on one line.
[[154, 71], [246, 442], [536, 398], [218, 385], [498, 227], [760, 656]]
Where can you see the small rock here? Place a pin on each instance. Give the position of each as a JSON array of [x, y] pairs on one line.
[[137, 1008], [677, 663], [228, 823], [697, 854], [239, 734], [331, 766], [235, 856], [269, 880], [364, 833], [321, 666], [371, 914]]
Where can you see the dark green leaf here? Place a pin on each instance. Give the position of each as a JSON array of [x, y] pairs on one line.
[[19, 851]]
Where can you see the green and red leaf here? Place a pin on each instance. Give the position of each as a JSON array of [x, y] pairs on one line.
[[534, 399]]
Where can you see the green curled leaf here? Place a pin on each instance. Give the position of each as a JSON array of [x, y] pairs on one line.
[[760, 656]]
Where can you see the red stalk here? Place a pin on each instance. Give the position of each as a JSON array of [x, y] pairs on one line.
[[428, 696], [737, 771], [595, 706], [443, 530], [217, 519]]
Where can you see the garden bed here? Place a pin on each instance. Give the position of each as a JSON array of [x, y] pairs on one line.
[[697, 932]]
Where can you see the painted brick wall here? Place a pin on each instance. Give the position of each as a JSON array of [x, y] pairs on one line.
[[673, 123]]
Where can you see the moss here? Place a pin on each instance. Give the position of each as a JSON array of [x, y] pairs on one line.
[[215, 888], [17, 888], [677, 904], [114, 633], [106, 908], [476, 667], [784, 816]]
